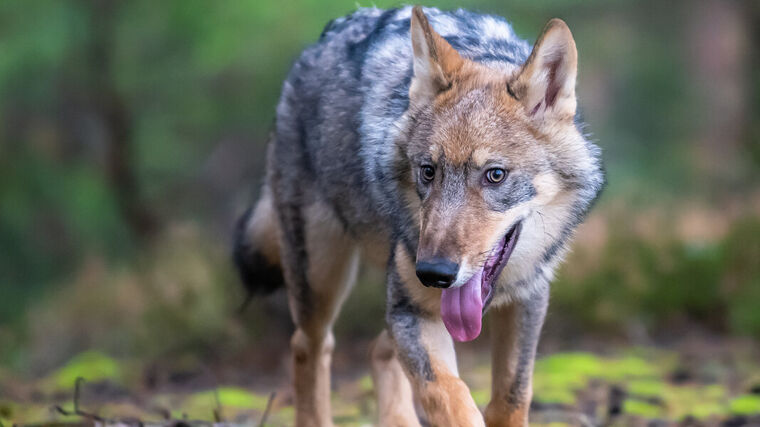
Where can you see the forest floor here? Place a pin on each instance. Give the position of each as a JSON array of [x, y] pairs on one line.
[[702, 383]]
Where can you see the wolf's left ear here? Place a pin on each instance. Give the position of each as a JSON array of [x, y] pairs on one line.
[[435, 61], [546, 82]]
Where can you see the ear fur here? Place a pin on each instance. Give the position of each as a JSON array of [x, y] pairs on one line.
[[435, 61], [545, 84]]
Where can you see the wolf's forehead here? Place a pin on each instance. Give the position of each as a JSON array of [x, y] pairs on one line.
[[476, 131]]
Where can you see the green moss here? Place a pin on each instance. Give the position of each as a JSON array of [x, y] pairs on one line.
[[90, 365], [627, 367], [553, 395], [579, 364], [642, 408], [647, 387], [695, 401], [707, 409], [557, 377], [241, 398], [232, 400], [365, 384], [481, 396], [745, 405]]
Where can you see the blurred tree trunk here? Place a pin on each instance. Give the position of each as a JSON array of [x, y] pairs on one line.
[[116, 120], [719, 41], [752, 16]]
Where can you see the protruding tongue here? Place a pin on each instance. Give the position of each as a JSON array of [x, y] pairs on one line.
[[462, 309]]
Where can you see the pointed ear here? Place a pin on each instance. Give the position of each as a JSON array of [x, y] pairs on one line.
[[435, 61], [545, 84]]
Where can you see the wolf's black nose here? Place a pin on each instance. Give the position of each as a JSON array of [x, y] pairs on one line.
[[437, 272]]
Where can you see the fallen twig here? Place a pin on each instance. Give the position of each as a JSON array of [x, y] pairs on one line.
[[218, 410], [77, 411], [267, 409]]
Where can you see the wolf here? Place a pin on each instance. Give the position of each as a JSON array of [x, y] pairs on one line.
[[439, 146]]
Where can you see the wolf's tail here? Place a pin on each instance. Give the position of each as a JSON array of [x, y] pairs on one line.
[[256, 249]]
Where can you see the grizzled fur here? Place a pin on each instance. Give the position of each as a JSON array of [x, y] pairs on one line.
[[352, 127]]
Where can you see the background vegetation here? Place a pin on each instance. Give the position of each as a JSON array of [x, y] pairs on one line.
[[133, 133]]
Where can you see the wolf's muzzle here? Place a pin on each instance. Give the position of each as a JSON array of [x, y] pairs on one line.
[[437, 272]]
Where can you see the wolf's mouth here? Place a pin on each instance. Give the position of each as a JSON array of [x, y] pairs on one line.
[[496, 262], [462, 308]]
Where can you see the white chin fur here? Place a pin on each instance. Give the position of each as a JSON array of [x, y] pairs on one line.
[[519, 281]]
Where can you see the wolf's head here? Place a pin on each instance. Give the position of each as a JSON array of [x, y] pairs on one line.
[[500, 173]]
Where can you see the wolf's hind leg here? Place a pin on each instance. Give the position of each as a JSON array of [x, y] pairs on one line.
[[395, 402], [320, 262]]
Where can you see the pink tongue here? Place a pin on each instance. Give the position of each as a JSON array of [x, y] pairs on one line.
[[462, 309]]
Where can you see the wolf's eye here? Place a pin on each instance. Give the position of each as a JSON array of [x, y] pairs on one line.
[[495, 175], [427, 173]]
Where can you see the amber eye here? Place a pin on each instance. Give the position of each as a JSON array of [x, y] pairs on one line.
[[496, 175], [427, 173]]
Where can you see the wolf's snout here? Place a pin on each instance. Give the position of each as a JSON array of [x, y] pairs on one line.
[[437, 272]]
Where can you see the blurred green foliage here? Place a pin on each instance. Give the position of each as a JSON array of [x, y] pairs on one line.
[[716, 283], [195, 84]]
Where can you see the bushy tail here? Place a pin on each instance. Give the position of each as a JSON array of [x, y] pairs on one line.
[[256, 249]]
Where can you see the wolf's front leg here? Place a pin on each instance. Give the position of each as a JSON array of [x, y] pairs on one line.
[[426, 350], [515, 332]]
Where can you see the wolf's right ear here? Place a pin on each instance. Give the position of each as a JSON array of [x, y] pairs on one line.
[[435, 61]]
